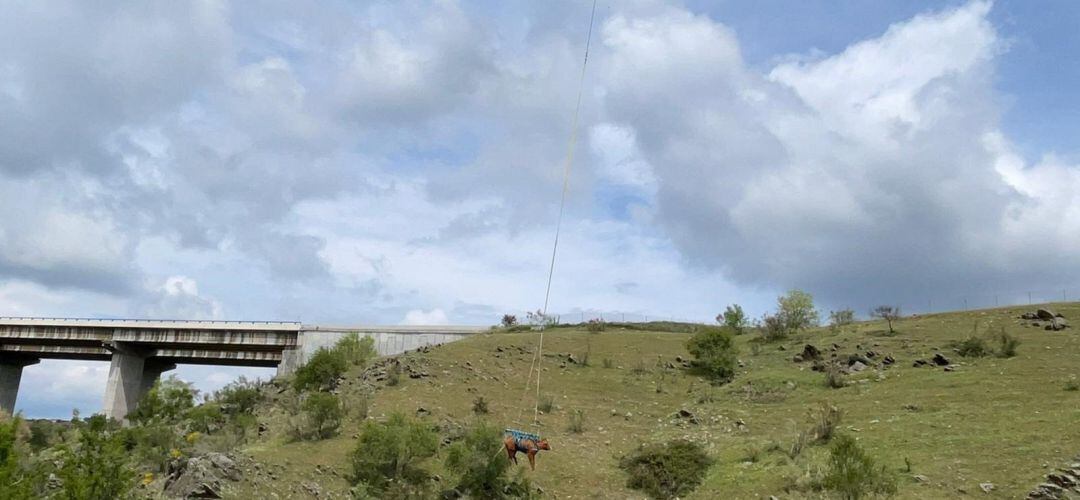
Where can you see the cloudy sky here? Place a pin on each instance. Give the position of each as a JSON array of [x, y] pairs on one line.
[[400, 161]]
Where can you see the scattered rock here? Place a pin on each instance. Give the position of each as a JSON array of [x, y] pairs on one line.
[[950, 368], [857, 366], [941, 360], [797, 358], [1029, 316], [920, 478], [687, 415], [919, 362], [986, 487], [810, 352], [422, 412], [887, 360]]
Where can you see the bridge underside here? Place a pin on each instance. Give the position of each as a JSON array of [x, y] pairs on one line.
[[139, 352]]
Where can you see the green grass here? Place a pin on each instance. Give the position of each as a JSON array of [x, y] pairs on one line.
[[991, 420]]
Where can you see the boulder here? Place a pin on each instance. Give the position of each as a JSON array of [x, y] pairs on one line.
[[1029, 315], [1044, 314], [201, 476], [888, 360], [941, 360], [810, 352], [1058, 324], [857, 367]]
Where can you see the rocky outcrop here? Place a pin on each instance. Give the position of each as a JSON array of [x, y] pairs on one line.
[[1062, 484], [201, 476]]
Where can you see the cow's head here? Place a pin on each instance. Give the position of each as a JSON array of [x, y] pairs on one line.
[[543, 445]]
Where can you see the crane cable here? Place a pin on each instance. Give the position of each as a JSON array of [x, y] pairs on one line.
[[539, 352]]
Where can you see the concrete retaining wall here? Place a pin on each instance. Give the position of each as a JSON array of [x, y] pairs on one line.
[[388, 340]]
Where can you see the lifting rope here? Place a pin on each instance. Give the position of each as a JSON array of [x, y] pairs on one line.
[[539, 352]]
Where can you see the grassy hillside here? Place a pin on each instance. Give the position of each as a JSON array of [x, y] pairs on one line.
[[990, 420]]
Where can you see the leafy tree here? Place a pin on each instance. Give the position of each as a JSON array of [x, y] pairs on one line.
[[167, 401], [841, 318], [796, 310], [481, 469], [97, 466], [509, 321], [324, 413], [887, 313], [734, 318], [241, 396], [391, 453], [206, 418], [322, 371], [714, 353]]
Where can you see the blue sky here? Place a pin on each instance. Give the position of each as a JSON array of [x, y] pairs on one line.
[[400, 162]]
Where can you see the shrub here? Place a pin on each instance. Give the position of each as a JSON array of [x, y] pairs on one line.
[[834, 378], [798, 444], [608, 363], [773, 328], [666, 470], [509, 321], [43, 434], [714, 353], [481, 468], [841, 318], [1072, 385], [547, 404], [240, 396], [355, 350], [393, 374], [321, 372], [16, 482], [391, 453], [796, 310], [577, 422], [887, 313], [167, 401], [323, 412], [853, 474], [98, 467], [206, 418], [734, 319], [595, 326], [1007, 344], [480, 406], [151, 443], [972, 347], [826, 419]]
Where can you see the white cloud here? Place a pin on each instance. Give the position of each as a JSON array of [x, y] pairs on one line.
[[420, 317]]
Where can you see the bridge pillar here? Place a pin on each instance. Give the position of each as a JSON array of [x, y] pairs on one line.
[[131, 375], [10, 376], [290, 361]]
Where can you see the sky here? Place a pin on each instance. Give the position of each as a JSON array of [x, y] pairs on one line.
[[400, 162]]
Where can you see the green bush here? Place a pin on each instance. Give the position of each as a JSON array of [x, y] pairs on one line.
[[714, 353], [1007, 344], [546, 405], [16, 481], [577, 422], [841, 318], [666, 470], [97, 467], [480, 406], [356, 351], [773, 328], [481, 468], [322, 371], [595, 325], [391, 453], [853, 474], [323, 412], [241, 396], [972, 347], [206, 418], [167, 401]]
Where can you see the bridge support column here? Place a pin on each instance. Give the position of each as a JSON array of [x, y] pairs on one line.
[[290, 361], [131, 375], [10, 376]]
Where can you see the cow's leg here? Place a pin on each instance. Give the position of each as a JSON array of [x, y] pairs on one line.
[[532, 459]]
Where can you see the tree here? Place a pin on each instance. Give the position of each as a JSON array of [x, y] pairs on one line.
[[167, 401], [321, 372], [355, 350], [324, 413], [16, 483], [391, 453], [796, 310], [714, 353], [97, 467], [734, 318], [887, 313], [509, 321]]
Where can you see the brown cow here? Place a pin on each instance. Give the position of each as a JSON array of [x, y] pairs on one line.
[[528, 446]]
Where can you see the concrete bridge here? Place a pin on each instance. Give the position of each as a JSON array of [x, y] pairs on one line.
[[141, 350]]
